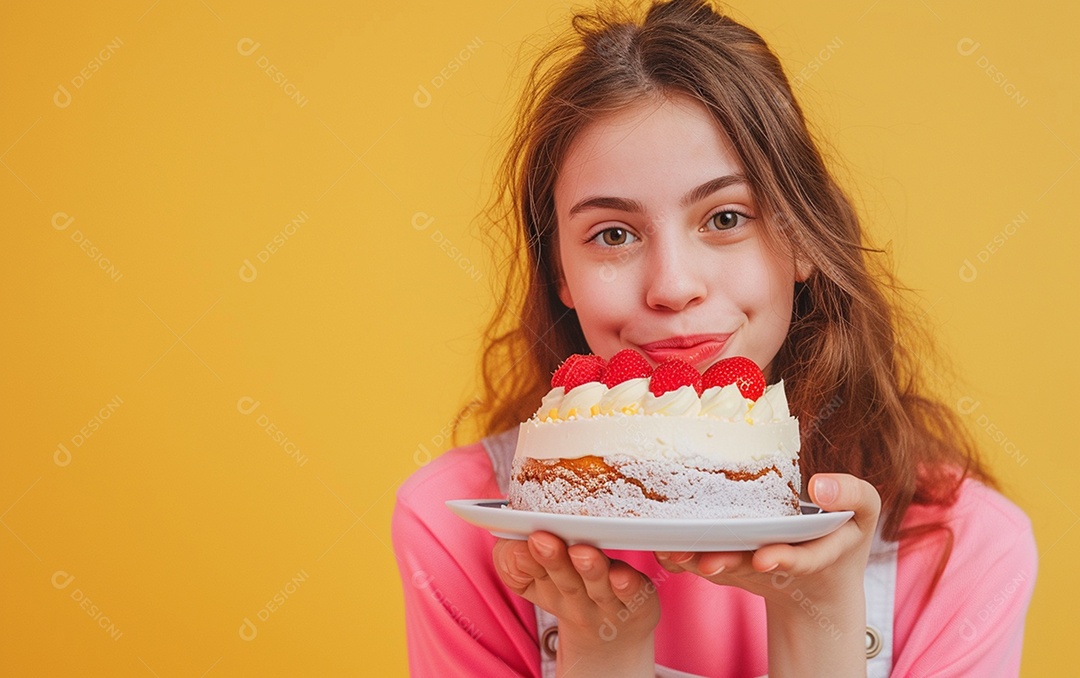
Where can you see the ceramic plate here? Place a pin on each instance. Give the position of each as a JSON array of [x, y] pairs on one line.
[[652, 534]]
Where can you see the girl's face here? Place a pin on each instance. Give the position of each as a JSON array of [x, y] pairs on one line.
[[661, 245]]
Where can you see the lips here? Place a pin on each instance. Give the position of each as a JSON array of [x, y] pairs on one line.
[[694, 349]]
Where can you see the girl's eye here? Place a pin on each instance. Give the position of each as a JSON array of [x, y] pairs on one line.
[[614, 237], [727, 219]]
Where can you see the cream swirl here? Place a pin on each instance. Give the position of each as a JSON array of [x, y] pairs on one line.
[[549, 406], [682, 402], [625, 398], [724, 402], [633, 397], [582, 401], [771, 406]]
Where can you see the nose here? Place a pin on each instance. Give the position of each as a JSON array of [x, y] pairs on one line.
[[674, 280]]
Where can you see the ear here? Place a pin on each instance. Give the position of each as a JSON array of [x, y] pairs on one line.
[[803, 269], [564, 291], [557, 271]]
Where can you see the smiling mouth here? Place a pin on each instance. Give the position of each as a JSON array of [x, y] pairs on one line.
[[694, 349]]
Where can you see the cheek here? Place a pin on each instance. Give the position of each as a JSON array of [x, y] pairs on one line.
[[764, 289], [778, 294], [604, 306]]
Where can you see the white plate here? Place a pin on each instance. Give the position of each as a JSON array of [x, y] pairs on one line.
[[652, 534]]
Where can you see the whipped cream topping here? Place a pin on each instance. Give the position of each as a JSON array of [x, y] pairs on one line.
[[626, 397], [725, 402], [657, 436], [682, 402], [582, 401], [549, 406], [628, 419], [633, 397]]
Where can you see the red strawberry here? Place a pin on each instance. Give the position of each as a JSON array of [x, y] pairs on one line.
[[578, 369], [559, 378], [672, 374], [740, 371], [625, 365]]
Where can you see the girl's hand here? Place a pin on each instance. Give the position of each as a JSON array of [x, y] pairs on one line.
[[813, 591], [607, 610]]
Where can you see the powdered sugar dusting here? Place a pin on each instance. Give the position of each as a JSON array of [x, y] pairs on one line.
[[691, 487]]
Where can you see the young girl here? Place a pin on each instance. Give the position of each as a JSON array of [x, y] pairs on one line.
[[662, 187]]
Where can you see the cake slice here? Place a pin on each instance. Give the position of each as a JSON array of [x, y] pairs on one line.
[[619, 439]]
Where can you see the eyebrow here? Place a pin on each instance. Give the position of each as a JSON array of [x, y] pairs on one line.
[[629, 205]]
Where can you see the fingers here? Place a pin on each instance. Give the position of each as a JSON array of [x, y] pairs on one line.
[[526, 562], [505, 556], [708, 564], [728, 567], [715, 564], [539, 568], [579, 571], [585, 570], [664, 558], [574, 583], [830, 491], [676, 561], [594, 568], [797, 560], [833, 492], [827, 562], [549, 552], [627, 584]]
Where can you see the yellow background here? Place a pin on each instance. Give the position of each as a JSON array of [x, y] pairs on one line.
[[178, 158]]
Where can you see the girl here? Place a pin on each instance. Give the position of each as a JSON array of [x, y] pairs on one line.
[[664, 188]]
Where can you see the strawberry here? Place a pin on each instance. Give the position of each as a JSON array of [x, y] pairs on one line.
[[559, 377], [740, 371], [578, 369], [625, 365], [672, 374]]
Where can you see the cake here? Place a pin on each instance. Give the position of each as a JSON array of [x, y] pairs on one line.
[[617, 438]]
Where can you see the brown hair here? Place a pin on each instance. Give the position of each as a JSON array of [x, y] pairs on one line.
[[851, 359]]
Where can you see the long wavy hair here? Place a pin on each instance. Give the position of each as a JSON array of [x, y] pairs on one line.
[[852, 362]]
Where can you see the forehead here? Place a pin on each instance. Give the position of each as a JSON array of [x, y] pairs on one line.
[[650, 148]]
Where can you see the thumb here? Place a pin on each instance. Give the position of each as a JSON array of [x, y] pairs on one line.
[[845, 492]]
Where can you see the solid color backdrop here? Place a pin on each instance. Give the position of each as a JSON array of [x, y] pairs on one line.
[[243, 289]]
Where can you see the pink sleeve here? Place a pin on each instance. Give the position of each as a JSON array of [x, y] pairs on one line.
[[459, 618], [973, 624]]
